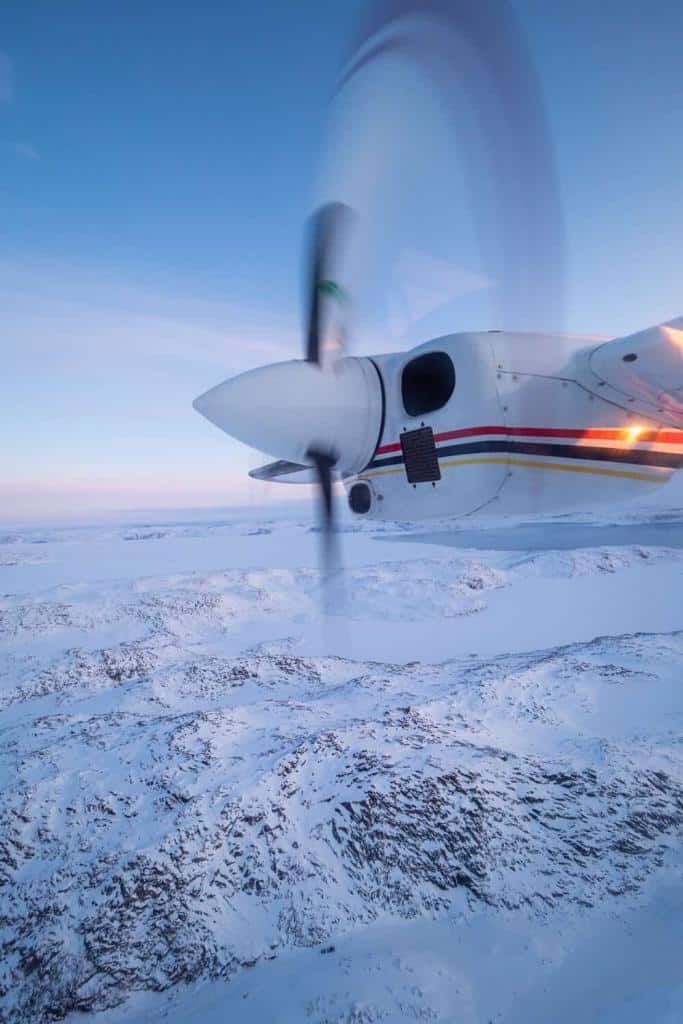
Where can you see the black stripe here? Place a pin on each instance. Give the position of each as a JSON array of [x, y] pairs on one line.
[[632, 456], [384, 412], [393, 460]]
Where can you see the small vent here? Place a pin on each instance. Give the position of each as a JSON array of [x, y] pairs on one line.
[[419, 454]]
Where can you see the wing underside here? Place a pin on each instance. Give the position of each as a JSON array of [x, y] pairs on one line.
[[284, 472]]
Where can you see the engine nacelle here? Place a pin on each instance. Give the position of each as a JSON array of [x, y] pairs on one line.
[[433, 395]]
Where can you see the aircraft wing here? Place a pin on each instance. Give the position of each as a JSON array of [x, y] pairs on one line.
[[284, 472], [642, 372]]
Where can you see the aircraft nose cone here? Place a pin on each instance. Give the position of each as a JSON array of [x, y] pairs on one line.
[[287, 408]]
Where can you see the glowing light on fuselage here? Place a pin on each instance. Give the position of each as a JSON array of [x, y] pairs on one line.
[[675, 335]]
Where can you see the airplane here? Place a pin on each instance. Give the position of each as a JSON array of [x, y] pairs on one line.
[[492, 423], [495, 422]]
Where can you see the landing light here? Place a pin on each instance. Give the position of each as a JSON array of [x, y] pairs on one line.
[[634, 432], [675, 335]]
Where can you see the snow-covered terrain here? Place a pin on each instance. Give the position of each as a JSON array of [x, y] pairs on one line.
[[460, 798]]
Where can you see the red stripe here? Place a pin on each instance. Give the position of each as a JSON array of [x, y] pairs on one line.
[[597, 434]]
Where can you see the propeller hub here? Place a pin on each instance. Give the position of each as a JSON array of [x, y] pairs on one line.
[[289, 410]]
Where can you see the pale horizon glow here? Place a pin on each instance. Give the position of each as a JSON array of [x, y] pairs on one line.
[[41, 503]]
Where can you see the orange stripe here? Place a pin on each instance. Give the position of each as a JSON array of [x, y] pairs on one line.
[[591, 433]]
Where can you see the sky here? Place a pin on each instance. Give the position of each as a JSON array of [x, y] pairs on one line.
[[157, 165]]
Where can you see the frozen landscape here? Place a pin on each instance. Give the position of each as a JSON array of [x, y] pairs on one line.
[[459, 798]]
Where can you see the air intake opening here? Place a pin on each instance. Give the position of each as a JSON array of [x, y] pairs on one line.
[[427, 383], [360, 499]]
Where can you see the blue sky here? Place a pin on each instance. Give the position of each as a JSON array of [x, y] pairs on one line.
[[156, 165]]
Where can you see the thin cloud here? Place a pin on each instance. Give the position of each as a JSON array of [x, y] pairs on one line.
[[83, 314], [428, 282], [6, 79], [26, 150], [423, 283]]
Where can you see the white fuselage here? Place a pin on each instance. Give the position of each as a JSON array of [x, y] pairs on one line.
[[526, 429]]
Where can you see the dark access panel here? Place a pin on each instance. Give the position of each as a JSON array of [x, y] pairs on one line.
[[419, 455]]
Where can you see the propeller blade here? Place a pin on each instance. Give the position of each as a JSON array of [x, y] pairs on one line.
[[326, 229], [324, 463]]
